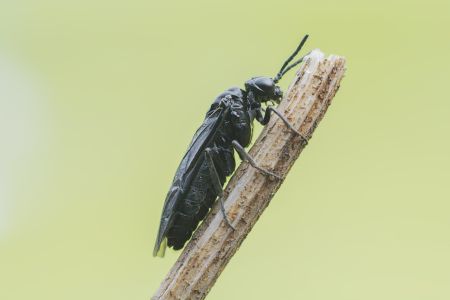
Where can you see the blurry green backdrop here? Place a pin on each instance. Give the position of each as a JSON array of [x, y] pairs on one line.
[[99, 100]]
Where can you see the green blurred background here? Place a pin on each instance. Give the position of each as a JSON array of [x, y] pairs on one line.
[[99, 99]]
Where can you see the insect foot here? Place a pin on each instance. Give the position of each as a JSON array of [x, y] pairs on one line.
[[272, 176], [304, 139], [224, 213]]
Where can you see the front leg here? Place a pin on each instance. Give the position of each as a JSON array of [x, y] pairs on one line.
[[264, 120]]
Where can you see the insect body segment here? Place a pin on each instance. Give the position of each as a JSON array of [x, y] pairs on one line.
[[209, 159]]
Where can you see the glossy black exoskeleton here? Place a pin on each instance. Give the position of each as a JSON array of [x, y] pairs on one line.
[[210, 157]]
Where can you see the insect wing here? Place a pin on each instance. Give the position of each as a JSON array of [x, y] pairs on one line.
[[186, 171]]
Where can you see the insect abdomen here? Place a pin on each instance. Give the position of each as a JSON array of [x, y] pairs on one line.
[[198, 199], [192, 209]]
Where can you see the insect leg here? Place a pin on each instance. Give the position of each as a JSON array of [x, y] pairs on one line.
[[245, 156], [216, 184], [266, 119]]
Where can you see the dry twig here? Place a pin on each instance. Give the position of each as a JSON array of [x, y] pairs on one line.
[[249, 192]]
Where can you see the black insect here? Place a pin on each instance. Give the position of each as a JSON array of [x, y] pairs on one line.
[[210, 157]]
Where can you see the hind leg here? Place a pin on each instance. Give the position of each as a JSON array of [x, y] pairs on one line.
[[215, 180]]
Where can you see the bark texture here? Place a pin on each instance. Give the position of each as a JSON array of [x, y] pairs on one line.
[[249, 192]]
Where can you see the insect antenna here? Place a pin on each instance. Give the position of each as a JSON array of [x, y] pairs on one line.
[[293, 65], [283, 69]]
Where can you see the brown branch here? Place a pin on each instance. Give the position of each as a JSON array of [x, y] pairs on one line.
[[249, 192]]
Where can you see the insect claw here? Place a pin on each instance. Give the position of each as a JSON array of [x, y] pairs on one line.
[[227, 221], [272, 176], [229, 224], [275, 176], [224, 213], [304, 139]]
